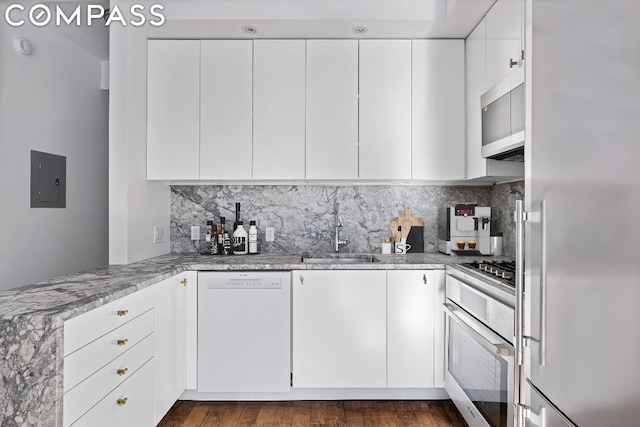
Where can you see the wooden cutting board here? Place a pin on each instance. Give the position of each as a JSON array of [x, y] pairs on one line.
[[406, 223]]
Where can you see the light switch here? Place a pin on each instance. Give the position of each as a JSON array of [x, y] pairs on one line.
[[195, 232], [270, 234]]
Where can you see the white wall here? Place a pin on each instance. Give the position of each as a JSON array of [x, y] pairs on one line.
[[52, 102], [136, 205]]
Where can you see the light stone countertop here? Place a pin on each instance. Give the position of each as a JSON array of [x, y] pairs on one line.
[[68, 296], [32, 317]]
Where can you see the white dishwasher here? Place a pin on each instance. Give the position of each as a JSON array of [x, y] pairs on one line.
[[244, 331]]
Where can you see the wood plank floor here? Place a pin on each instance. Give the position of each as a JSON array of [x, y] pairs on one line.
[[405, 413]]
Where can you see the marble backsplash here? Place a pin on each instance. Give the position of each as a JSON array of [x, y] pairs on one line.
[[503, 203], [303, 214]]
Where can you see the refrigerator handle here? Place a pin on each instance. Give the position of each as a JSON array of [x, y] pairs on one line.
[[519, 273], [543, 283]]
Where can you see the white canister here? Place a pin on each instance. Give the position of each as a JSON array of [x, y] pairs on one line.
[[496, 245]]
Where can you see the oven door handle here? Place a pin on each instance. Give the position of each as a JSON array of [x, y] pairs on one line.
[[502, 348]]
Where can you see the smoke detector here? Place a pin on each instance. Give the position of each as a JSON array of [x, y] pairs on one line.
[[23, 46]]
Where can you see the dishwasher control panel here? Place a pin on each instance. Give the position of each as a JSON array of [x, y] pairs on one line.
[[243, 280]]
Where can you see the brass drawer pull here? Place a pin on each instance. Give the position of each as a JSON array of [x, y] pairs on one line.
[[183, 282], [122, 342], [424, 279], [122, 371], [123, 312], [121, 401]]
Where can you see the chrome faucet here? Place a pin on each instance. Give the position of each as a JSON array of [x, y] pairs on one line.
[[338, 226]]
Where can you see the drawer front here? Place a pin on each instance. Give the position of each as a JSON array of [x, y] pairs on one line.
[[85, 395], [89, 359], [129, 405], [81, 330]]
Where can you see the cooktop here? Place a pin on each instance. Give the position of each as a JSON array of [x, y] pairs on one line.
[[503, 271]]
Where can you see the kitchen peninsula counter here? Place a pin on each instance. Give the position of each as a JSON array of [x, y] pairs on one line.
[[32, 317]]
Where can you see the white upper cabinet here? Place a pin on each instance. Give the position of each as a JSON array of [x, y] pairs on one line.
[[476, 166], [385, 109], [226, 82], [279, 109], [173, 109], [504, 41], [438, 99], [332, 109]]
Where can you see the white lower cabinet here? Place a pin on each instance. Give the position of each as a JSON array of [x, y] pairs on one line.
[[415, 343], [129, 405], [368, 328], [127, 362], [171, 340], [103, 349], [339, 322]]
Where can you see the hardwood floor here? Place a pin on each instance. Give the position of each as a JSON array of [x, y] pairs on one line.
[[406, 413]]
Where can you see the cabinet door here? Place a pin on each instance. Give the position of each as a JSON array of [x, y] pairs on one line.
[[191, 325], [332, 109], [173, 109], [385, 109], [279, 109], [438, 281], [170, 343], [226, 135], [339, 329], [476, 165], [475, 84], [504, 39], [413, 309], [438, 97], [128, 405]]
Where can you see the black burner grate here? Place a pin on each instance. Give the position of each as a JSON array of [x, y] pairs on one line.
[[504, 271]]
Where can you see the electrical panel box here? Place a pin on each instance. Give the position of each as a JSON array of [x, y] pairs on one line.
[[48, 180]]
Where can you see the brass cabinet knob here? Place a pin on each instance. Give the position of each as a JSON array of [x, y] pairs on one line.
[[183, 282], [301, 280], [122, 342], [123, 312], [424, 278], [121, 401], [122, 371]]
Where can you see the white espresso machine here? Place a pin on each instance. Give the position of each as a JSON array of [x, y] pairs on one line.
[[464, 229]]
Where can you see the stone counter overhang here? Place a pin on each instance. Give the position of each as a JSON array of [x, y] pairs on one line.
[[32, 317]]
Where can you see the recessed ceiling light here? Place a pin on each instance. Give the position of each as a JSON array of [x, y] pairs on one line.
[[249, 29], [360, 30]]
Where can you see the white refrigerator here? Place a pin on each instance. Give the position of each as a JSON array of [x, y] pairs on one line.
[[581, 250]]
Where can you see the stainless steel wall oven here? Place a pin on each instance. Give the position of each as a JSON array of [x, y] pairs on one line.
[[480, 368]]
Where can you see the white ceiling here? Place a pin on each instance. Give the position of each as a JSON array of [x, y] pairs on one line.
[[324, 18]]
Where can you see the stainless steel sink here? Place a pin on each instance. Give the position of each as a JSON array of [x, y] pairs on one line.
[[338, 259]]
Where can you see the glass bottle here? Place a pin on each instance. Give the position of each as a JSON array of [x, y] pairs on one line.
[[253, 238], [240, 238], [221, 232]]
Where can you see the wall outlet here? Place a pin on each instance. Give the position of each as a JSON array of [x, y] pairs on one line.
[[270, 234], [195, 232], [158, 235]]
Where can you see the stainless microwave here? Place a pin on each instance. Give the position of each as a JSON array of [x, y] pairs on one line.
[[503, 119]]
